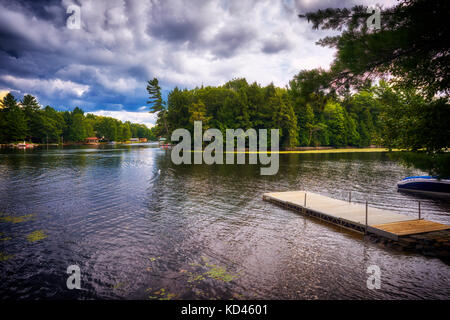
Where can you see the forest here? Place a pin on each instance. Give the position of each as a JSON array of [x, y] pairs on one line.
[[26, 120], [310, 114]]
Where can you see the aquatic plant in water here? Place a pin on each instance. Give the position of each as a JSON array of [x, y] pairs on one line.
[[219, 273], [36, 236], [195, 277], [118, 285], [13, 219], [162, 294], [214, 272], [4, 256]]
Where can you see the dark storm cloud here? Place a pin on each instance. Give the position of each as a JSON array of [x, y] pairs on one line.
[[49, 10], [178, 22], [175, 30], [230, 40], [275, 45]]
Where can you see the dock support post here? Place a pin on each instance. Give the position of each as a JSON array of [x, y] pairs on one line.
[[305, 201], [366, 216], [419, 210], [349, 196]]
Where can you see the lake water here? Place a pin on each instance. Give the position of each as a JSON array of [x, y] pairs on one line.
[[140, 227]]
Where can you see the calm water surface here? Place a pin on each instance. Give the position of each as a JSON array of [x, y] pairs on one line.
[[135, 224]]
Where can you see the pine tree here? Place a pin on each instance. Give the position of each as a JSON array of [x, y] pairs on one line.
[[157, 104], [30, 107], [14, 123]]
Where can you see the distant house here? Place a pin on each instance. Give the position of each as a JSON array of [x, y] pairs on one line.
[[134, 140], [142, 139], [91, 140]]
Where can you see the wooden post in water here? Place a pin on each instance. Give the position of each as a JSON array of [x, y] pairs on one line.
[[349, 196], [305, 201], [419, 210], [366, 216]]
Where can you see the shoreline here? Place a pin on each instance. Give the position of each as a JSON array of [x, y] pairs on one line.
[[327, 150], [33, 145], [299, 150]]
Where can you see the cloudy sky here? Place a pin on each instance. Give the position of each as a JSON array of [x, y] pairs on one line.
[[103, 66]]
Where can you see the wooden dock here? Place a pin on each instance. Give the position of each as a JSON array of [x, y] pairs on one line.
[[353, 216]]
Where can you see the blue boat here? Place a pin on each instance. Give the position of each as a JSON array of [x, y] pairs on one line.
[[425, 184]]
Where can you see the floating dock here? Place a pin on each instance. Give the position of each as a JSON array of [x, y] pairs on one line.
[[357, 217]]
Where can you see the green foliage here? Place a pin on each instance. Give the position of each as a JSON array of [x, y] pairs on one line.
[[411, 48], [413, 122], [334, 119], [13, 123], [155, 99], [26, 120], [324, 118], [411, 45], [126, 131], [158, 105], [77, 131], [311, 87], [307, 113], [231, 106]]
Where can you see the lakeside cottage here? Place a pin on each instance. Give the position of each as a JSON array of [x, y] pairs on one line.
[[91, 140]]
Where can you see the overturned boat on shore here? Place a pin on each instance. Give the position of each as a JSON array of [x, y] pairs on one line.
[[425, 184]]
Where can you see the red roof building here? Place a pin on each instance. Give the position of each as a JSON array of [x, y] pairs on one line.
[[92, 140]]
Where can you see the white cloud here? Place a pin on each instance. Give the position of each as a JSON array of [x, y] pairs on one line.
[[146, 118], [47, 86]]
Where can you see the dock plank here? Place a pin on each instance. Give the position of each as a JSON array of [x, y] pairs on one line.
[[382, 222], [404, 228]]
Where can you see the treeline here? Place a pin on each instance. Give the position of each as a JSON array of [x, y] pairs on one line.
[[309, 113], [26, 120], [305, 114]]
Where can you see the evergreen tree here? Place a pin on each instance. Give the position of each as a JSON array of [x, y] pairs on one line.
[[156, 102], [15, 124], [411, 44], [77, 131], [30, 108]]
